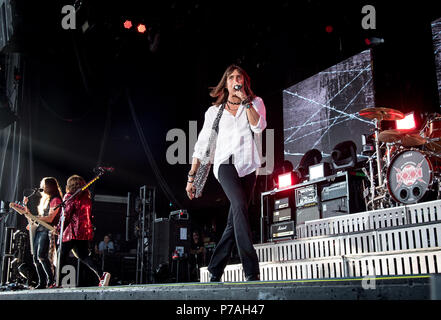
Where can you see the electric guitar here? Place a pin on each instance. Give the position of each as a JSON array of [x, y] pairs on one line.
[[21, 210]]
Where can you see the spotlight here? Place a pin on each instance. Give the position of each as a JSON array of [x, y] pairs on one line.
[[344, 155], [373, 41], [329, 28], [407, 123], [310, 158], [141, 28], [320, 170], [281, 176], [128, 24], [285, 180]]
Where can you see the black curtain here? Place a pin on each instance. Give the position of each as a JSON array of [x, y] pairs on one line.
[[16, 165]]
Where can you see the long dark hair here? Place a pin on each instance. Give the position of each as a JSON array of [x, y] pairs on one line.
[[53, 188], [220, 92]]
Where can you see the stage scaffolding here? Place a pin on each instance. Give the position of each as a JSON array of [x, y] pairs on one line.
[[144, 251]]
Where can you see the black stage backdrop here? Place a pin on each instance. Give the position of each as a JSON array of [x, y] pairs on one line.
[[436, 32]]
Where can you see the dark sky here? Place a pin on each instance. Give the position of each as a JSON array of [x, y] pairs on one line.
[[80, 81]]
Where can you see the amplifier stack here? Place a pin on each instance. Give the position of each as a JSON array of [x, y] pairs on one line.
[[283, 226], [307, 204], [313, 200]]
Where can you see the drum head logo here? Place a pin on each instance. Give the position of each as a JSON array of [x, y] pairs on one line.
[[409, 174]]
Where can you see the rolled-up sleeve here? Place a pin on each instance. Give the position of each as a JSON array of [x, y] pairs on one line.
[[259, 106], [202, 143]]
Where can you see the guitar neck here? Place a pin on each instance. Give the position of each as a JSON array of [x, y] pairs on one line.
[[21, 210]]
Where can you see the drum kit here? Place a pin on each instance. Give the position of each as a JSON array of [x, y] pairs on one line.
[[404, 166]]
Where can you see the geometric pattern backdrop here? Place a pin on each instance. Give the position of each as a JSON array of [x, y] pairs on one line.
[[436, 37], [321, 111]]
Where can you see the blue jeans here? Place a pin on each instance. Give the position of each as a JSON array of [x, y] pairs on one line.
[[41, 259], [238, 190]]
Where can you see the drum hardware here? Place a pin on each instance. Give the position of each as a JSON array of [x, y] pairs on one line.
[[432, 132], [406, 139], [378, 115], [405, 166]]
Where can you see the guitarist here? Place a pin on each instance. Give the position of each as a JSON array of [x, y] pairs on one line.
[[43, 241], [78, 230]]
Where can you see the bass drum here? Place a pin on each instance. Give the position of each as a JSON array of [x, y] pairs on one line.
[[410, 177]]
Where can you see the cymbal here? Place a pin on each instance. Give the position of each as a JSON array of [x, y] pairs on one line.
[[405, 139], [381, 114], [389, 136], [411, 140]]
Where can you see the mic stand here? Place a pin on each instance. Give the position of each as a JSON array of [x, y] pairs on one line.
[[60, 236]]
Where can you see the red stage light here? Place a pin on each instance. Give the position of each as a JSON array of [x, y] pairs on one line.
[[367, 41], [285, 180], [407, 123], [127, 24], [329, 28], [141, 28]]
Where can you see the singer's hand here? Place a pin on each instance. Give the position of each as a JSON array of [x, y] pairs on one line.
[[241, 94], [25, 200], [190, 190]]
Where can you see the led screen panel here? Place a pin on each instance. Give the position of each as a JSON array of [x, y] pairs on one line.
[[322, 111]]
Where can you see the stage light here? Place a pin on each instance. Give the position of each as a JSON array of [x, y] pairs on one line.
[[407, 123], [179, 215], [344, 155], [128, 24], [285, 180], [311, 157], [141, 28], [317, 171], [329, 28], [373, 41]]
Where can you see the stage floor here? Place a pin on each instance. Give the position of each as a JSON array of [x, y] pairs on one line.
[[418, 287]]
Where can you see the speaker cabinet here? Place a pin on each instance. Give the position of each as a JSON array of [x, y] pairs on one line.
[[170, 235], [307, 213]]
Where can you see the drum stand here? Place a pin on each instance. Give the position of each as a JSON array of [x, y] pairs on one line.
[[377, 190]]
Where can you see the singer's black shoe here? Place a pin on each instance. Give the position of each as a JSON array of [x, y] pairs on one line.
[[254, 277], [214, 278]]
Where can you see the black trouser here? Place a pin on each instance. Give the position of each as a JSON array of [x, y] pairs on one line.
[[238, 191], [80, 249], [41, 259]]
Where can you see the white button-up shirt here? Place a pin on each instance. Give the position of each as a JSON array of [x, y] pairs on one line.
[[234, 138]]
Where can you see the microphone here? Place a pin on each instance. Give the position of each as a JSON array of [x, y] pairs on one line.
[[106, 169], [37, 189], [237, 87]]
